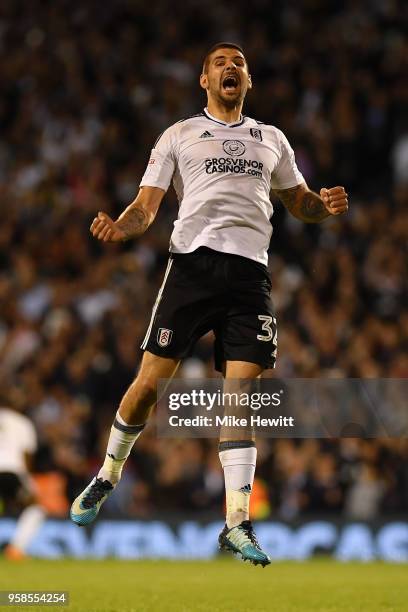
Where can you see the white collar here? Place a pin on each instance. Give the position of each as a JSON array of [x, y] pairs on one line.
[[234, 124]]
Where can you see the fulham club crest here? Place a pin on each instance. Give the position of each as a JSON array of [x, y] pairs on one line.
[[164, 336], [257, 134]]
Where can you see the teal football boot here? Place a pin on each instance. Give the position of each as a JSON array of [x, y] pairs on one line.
[[86, 506], [242, 540]]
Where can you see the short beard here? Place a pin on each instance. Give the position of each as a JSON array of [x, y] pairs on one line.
[[231, 104]]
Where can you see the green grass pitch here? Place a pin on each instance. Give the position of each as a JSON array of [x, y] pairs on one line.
[[224, 585]]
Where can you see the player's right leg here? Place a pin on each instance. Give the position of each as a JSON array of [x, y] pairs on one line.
[[129, 422], [186, 306]]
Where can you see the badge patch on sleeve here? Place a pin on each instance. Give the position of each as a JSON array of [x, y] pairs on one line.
[[164, 336]]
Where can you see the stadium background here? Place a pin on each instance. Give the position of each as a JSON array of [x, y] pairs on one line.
[[86, 91]]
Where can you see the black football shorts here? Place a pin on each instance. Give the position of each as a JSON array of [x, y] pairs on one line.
[[12, 486], [208, 290]]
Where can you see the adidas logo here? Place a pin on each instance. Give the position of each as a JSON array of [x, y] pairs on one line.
[[207, 134], [246, 489]]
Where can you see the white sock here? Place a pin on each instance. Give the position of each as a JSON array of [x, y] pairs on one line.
[[121, 440], [239, 464], [28, 524]]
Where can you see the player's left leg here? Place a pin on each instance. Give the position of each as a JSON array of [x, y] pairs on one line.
[[237, 453], [32, 515]]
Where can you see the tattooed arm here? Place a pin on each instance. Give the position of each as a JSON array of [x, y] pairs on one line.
[[309, 207], [134, 220]]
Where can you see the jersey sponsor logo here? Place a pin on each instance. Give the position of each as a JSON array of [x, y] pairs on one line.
[[234, 147], [255, 133], [231, 165], [164, 336], [207, 134]]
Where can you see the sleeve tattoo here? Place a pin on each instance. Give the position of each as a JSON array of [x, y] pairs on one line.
[[134, 221], [303, 204]]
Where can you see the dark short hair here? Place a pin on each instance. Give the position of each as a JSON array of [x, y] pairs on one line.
[[220, 45]]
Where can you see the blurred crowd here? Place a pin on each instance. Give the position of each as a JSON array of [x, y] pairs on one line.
[[86, 89]]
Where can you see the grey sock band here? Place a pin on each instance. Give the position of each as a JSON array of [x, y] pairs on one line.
[[130, 429], [223, 446]]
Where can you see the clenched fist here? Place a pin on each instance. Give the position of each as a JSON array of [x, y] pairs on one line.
[[104, 228], [335, 200]]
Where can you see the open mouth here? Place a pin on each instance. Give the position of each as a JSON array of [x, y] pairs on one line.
[[230, 82]]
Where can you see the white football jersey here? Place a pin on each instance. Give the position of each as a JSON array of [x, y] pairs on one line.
[[17, 437], [222, 174]]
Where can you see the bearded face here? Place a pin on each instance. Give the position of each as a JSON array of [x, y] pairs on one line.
[[226, 78]]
